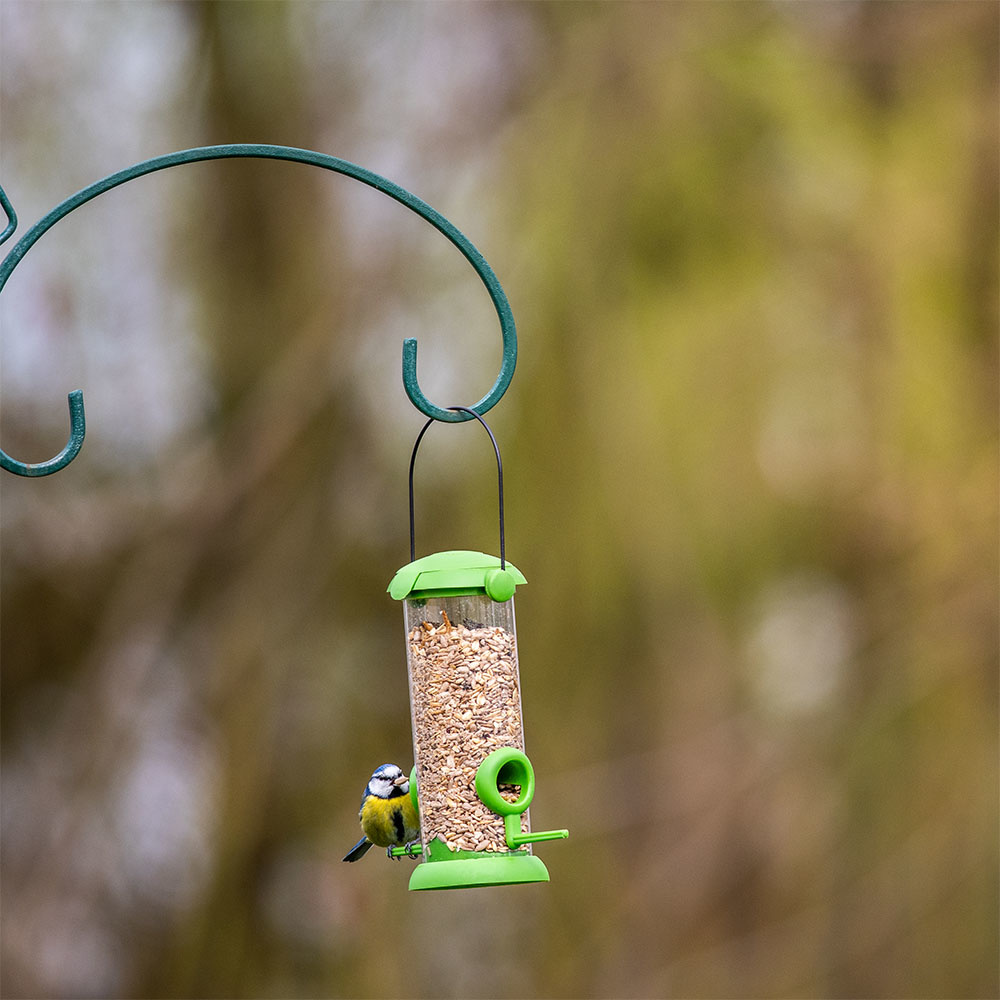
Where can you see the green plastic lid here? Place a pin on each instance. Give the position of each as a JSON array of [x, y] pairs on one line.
[[451, 574]]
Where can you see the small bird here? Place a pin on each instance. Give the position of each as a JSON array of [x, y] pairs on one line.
[[387, 814]]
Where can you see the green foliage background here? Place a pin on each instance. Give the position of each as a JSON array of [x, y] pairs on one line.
[[751, 464]]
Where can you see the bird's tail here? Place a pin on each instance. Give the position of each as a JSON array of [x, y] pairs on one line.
[[359, 850]]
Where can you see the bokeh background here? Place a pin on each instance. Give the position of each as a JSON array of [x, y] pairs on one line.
[[751, 463]]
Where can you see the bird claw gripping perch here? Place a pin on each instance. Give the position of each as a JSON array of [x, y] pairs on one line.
[[394, 853]]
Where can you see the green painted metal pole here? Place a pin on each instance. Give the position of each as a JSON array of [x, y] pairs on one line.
[[252, 150]]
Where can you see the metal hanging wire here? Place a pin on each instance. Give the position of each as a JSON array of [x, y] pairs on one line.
[[496, 450], [449, 414]]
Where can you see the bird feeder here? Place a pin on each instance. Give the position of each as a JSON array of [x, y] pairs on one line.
[[472, 780]]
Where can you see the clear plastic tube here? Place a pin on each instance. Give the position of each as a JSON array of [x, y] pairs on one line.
[[465, 700]]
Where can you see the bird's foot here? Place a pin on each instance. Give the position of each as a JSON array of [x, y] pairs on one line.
[[408, 847]]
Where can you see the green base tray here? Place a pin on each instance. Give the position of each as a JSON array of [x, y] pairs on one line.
[[479, 870]]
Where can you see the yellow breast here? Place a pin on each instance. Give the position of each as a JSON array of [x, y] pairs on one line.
[[389, 822]]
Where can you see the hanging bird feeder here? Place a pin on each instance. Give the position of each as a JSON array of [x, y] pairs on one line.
[[472, 780]]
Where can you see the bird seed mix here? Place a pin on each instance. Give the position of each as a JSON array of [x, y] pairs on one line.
[[466, 704]]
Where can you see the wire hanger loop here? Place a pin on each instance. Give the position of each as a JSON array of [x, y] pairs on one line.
[[496, 450], [255, 150]]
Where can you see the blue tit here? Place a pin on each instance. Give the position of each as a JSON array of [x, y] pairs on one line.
[[388, 816]]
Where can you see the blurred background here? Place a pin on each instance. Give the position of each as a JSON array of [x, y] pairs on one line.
[[751, 470]]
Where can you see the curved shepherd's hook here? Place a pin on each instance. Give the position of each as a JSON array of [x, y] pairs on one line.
[[250, 150]]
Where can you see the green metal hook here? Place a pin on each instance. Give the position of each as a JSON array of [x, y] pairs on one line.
[[253, 150], [8, 210], [77, 432]]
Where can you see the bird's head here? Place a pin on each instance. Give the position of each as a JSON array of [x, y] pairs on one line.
[[388, 781]]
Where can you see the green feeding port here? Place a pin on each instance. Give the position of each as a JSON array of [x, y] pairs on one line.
[[475, 782], [444, 868]]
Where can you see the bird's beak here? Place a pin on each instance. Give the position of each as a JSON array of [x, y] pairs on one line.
[[401, 780]]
